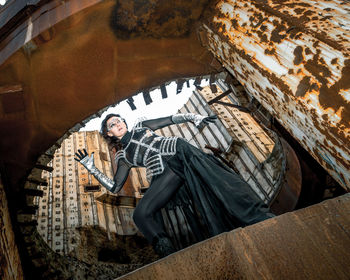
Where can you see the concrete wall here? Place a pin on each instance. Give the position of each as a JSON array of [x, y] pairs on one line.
[[66, 205]]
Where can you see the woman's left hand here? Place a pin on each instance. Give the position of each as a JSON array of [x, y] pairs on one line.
[[207, 120]]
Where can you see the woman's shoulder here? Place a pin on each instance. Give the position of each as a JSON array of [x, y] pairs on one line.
[[139, 123]]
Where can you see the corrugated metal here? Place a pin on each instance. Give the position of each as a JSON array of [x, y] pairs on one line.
[[294, 58]]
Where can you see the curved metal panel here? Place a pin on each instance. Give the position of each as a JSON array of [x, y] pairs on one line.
[[295, 59]]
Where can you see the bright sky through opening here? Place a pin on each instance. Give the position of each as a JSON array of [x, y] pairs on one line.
[[158, 108]]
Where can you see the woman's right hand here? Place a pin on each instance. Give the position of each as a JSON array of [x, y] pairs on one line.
[[83, 157]]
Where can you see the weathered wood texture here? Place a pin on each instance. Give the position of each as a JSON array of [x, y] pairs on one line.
[[311, 243], [294, 58]]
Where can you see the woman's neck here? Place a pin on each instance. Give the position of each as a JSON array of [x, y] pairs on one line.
[[125, 138]]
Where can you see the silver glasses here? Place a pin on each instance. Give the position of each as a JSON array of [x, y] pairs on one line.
[[113, 122]]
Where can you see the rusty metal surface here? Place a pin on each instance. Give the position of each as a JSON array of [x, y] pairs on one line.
[[156, 18], [288, 196], [311, 243], [294, 58], [21, 21], [40, 20]]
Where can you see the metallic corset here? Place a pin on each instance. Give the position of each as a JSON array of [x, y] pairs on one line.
[[146, 149]]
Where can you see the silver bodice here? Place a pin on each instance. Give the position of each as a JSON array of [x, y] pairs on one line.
[[146, 149]]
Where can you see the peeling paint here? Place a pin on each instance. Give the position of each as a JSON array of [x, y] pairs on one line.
[[299, 54]]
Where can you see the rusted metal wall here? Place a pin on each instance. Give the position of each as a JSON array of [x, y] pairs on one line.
[[305, 244], [294, 58], [10, 263]]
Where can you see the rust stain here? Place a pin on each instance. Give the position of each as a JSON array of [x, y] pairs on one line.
[[156, 19], [298, 55], [309, 77], [279, 33], [303, 87]]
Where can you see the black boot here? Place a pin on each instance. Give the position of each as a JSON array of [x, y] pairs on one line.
[[163, 246]]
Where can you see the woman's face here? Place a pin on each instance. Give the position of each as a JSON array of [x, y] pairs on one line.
[[116, 127]]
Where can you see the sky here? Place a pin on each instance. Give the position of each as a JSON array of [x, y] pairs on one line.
[[158, 108], [2, 2]]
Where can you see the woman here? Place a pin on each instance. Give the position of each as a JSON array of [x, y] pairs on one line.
[[223, 200]]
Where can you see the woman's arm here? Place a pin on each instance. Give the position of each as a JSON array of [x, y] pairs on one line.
[[198, 120], [119, 178], [158, 123]]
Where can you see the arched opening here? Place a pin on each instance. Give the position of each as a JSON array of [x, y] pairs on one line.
[[258, 163], [53, 74]]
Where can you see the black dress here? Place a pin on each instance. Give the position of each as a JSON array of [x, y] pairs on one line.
[[211, 199]]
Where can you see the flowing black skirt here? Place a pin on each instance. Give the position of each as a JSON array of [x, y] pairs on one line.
[[214, 199]]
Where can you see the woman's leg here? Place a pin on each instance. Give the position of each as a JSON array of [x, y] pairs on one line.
[[158, 194]]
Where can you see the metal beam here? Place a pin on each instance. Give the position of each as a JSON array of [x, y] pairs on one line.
[[227, 92]]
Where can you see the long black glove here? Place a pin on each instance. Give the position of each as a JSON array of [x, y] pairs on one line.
[[198, 120]]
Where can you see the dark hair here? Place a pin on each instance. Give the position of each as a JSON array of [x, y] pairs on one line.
[[111, 140]]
